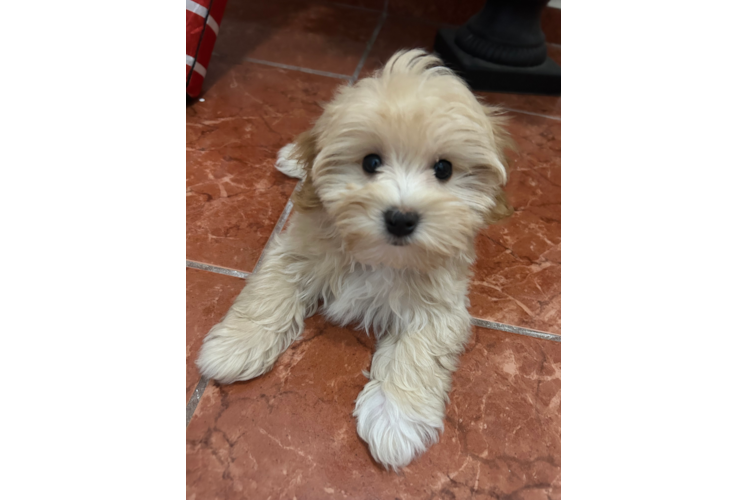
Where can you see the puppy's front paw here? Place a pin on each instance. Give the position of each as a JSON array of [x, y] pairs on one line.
[[233, 353], [395, 437]]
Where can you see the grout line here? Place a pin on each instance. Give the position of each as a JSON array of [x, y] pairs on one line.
[[420, 20], [195, 398], [530, 113], [217, 269], [370, 44], [493, 325], [298, 68], [278, 227]]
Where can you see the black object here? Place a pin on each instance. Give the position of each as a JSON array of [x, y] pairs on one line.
[[443, 170], [400, 224], [502, 49], [371, 163]]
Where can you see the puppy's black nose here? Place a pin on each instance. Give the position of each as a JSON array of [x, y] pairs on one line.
[[399, 223]]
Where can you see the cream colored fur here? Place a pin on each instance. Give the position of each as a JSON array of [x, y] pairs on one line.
[[337, 255]]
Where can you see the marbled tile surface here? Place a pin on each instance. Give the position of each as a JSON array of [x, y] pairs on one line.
[[234, 193], [436, 11], [518, 272], [290, 433], [551, 24], [322, 36]]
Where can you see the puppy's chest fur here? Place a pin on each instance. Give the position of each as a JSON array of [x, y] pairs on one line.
[[392, 300], [380, 299]]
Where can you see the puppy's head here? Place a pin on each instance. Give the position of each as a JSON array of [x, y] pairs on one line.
[[408, 164]]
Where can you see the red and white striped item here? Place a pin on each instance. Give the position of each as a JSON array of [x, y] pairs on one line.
[[203, 19]]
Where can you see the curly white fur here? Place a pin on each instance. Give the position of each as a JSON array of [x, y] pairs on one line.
[[337, 255]]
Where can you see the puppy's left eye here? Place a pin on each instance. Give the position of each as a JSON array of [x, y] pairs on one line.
[[371, 163], [443, 170]]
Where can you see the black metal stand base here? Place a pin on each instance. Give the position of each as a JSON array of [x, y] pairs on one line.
[[482, 75]]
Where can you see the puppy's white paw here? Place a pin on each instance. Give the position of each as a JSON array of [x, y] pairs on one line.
[[287, 165], [394, 438], [230, 354]]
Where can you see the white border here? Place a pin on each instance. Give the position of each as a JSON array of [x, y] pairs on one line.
[[569, 383], [568, 434]]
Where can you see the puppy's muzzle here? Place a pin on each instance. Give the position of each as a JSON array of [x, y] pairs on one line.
[[399, 223]]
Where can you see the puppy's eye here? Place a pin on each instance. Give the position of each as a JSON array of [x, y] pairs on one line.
[[443, 170], [371, 163]]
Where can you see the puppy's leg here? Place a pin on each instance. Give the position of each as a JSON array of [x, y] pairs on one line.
[[400, 412], [264, 320]]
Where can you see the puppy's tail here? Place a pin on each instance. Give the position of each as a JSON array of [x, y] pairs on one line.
[[287, 164]]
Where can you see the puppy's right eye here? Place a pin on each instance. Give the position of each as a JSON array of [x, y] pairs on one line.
[[371, 163]]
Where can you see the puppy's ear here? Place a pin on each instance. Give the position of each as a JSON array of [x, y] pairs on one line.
[[501, 210], [305, 151], [502, 143]]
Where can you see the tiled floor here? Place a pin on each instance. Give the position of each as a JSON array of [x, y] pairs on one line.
[[290, 433]]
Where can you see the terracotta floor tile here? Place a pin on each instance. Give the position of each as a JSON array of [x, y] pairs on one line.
[[554, 52], [319, 36], [290, 434], [542, 104], [551, 23], [518, 273], [234, 193], [397, 34], [438, 11], [368, 4], [209, 296]]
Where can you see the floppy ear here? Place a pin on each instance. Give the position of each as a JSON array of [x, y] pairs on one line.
[[305, 151], [501, 210], [502, 143]]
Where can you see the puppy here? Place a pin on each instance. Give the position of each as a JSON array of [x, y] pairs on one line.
[[399, 174]]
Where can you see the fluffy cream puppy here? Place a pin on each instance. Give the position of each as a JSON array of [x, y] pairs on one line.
[[400, 172]]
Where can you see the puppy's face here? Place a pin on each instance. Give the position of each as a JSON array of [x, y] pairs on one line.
[[408, 164]]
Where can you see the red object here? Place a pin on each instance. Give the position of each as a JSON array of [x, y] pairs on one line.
[[203, 19]]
